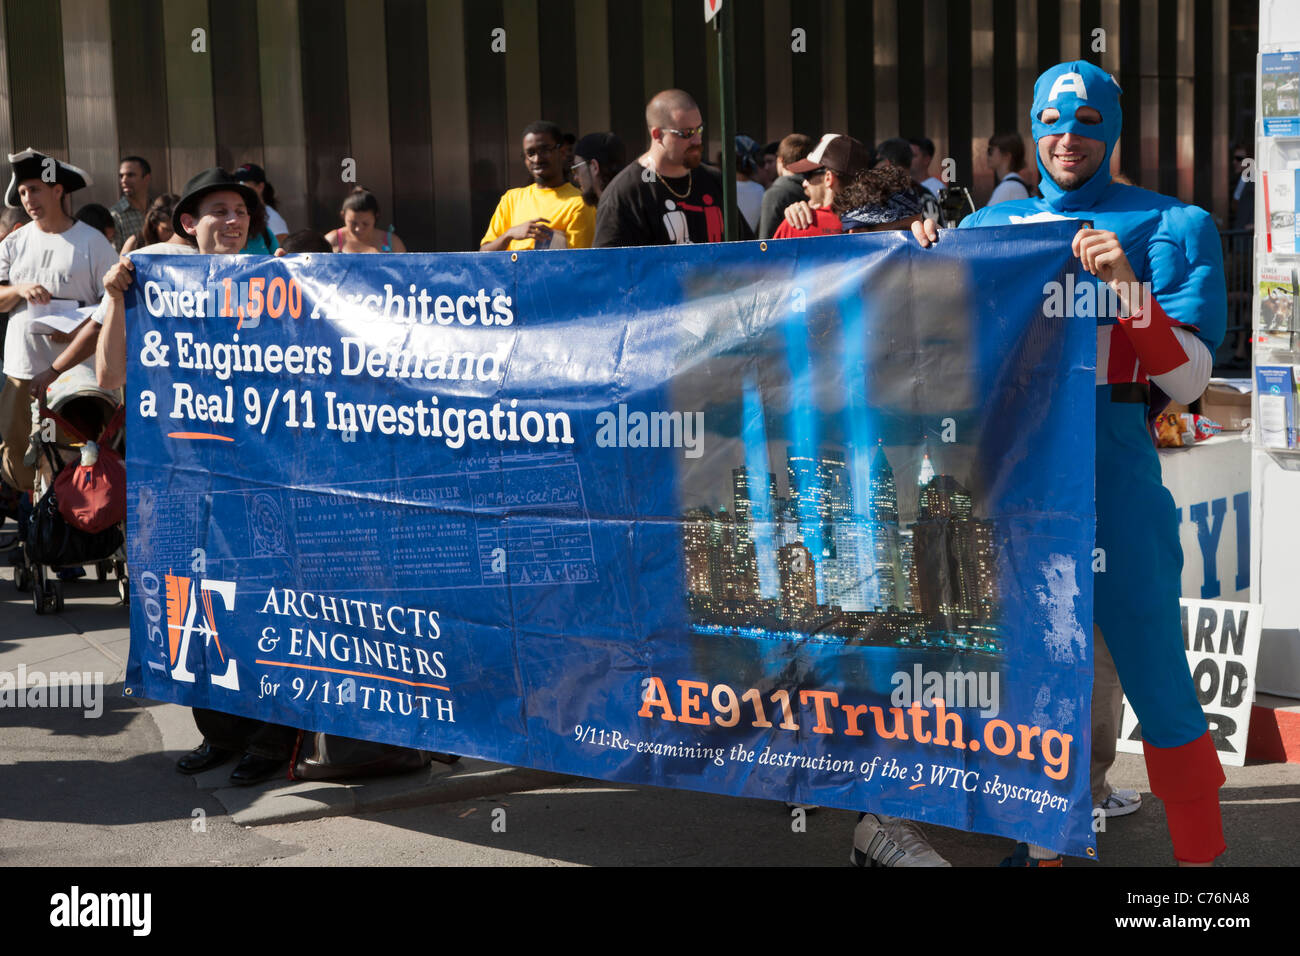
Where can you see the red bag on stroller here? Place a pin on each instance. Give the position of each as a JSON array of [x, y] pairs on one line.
[[92, 494]]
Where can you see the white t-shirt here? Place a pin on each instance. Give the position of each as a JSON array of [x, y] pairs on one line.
[[749, 200], [156, 248], [1009, 189], [70, 264], [275, 222]]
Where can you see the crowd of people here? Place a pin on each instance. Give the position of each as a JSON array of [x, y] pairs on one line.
[[587, 192]]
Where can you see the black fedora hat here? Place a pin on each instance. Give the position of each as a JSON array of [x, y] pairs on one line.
[[30, 164], [211, 180]]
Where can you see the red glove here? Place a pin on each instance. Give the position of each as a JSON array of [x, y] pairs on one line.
[[1151, 333]]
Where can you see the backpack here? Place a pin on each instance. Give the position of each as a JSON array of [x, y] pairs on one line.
[[91, 495], [322, 756], [1033, 193], [50, 540]]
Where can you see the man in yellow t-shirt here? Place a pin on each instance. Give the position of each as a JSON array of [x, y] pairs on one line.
[[551, 212]]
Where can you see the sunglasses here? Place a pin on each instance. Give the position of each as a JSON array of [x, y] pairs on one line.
[[538, 151], [686, 133]]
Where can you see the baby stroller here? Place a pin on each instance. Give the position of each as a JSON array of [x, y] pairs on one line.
[[65, 432]]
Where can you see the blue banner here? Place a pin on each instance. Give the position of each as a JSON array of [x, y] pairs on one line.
[[808, 520]]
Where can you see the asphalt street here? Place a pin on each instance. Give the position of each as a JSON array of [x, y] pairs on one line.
[[103, 791]]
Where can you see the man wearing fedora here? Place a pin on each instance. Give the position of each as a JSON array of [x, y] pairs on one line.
[[215, 215], [53, 266]]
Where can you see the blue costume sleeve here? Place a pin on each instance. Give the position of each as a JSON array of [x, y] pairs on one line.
[[1186, 262]]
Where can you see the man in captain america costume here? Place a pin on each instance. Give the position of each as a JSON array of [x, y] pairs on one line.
[[1163, 261]]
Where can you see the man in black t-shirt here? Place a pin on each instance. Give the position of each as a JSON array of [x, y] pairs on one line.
[[666, 196]]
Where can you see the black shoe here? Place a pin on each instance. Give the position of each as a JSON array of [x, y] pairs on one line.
[[253, 769], [203, 757]]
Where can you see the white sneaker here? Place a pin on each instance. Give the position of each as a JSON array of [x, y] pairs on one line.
[[1121, 803], [879, 840]]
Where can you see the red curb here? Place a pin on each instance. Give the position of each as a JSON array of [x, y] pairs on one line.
[[1274, 735]]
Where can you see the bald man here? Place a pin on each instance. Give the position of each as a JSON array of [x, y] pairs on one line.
[[666, 196]]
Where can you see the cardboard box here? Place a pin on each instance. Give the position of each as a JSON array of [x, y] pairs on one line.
[[1227, 406]]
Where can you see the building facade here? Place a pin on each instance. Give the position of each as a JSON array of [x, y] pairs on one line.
[[423, 101]]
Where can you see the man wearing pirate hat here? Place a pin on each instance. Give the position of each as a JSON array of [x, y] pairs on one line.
[[50, 267]]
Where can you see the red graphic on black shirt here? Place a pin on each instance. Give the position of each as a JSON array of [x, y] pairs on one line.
[[712, 218]]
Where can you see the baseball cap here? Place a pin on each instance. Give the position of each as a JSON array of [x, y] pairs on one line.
[[605, 148], [748, 152], [250, 173], [836, 151]]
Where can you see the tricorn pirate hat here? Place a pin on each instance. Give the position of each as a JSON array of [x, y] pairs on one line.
[[30, 164]]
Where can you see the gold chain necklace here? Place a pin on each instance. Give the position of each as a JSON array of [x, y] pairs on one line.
[[689, 178]]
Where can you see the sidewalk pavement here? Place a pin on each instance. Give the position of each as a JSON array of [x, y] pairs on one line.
[[75, 790], [91, 636]]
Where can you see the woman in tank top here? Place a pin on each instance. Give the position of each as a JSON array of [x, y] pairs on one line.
[[360, 212]]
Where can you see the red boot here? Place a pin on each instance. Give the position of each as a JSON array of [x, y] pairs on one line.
[[1188, 779]]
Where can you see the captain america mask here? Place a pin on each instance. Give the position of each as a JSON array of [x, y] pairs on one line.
[[1072, 159], [1076, 120]]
